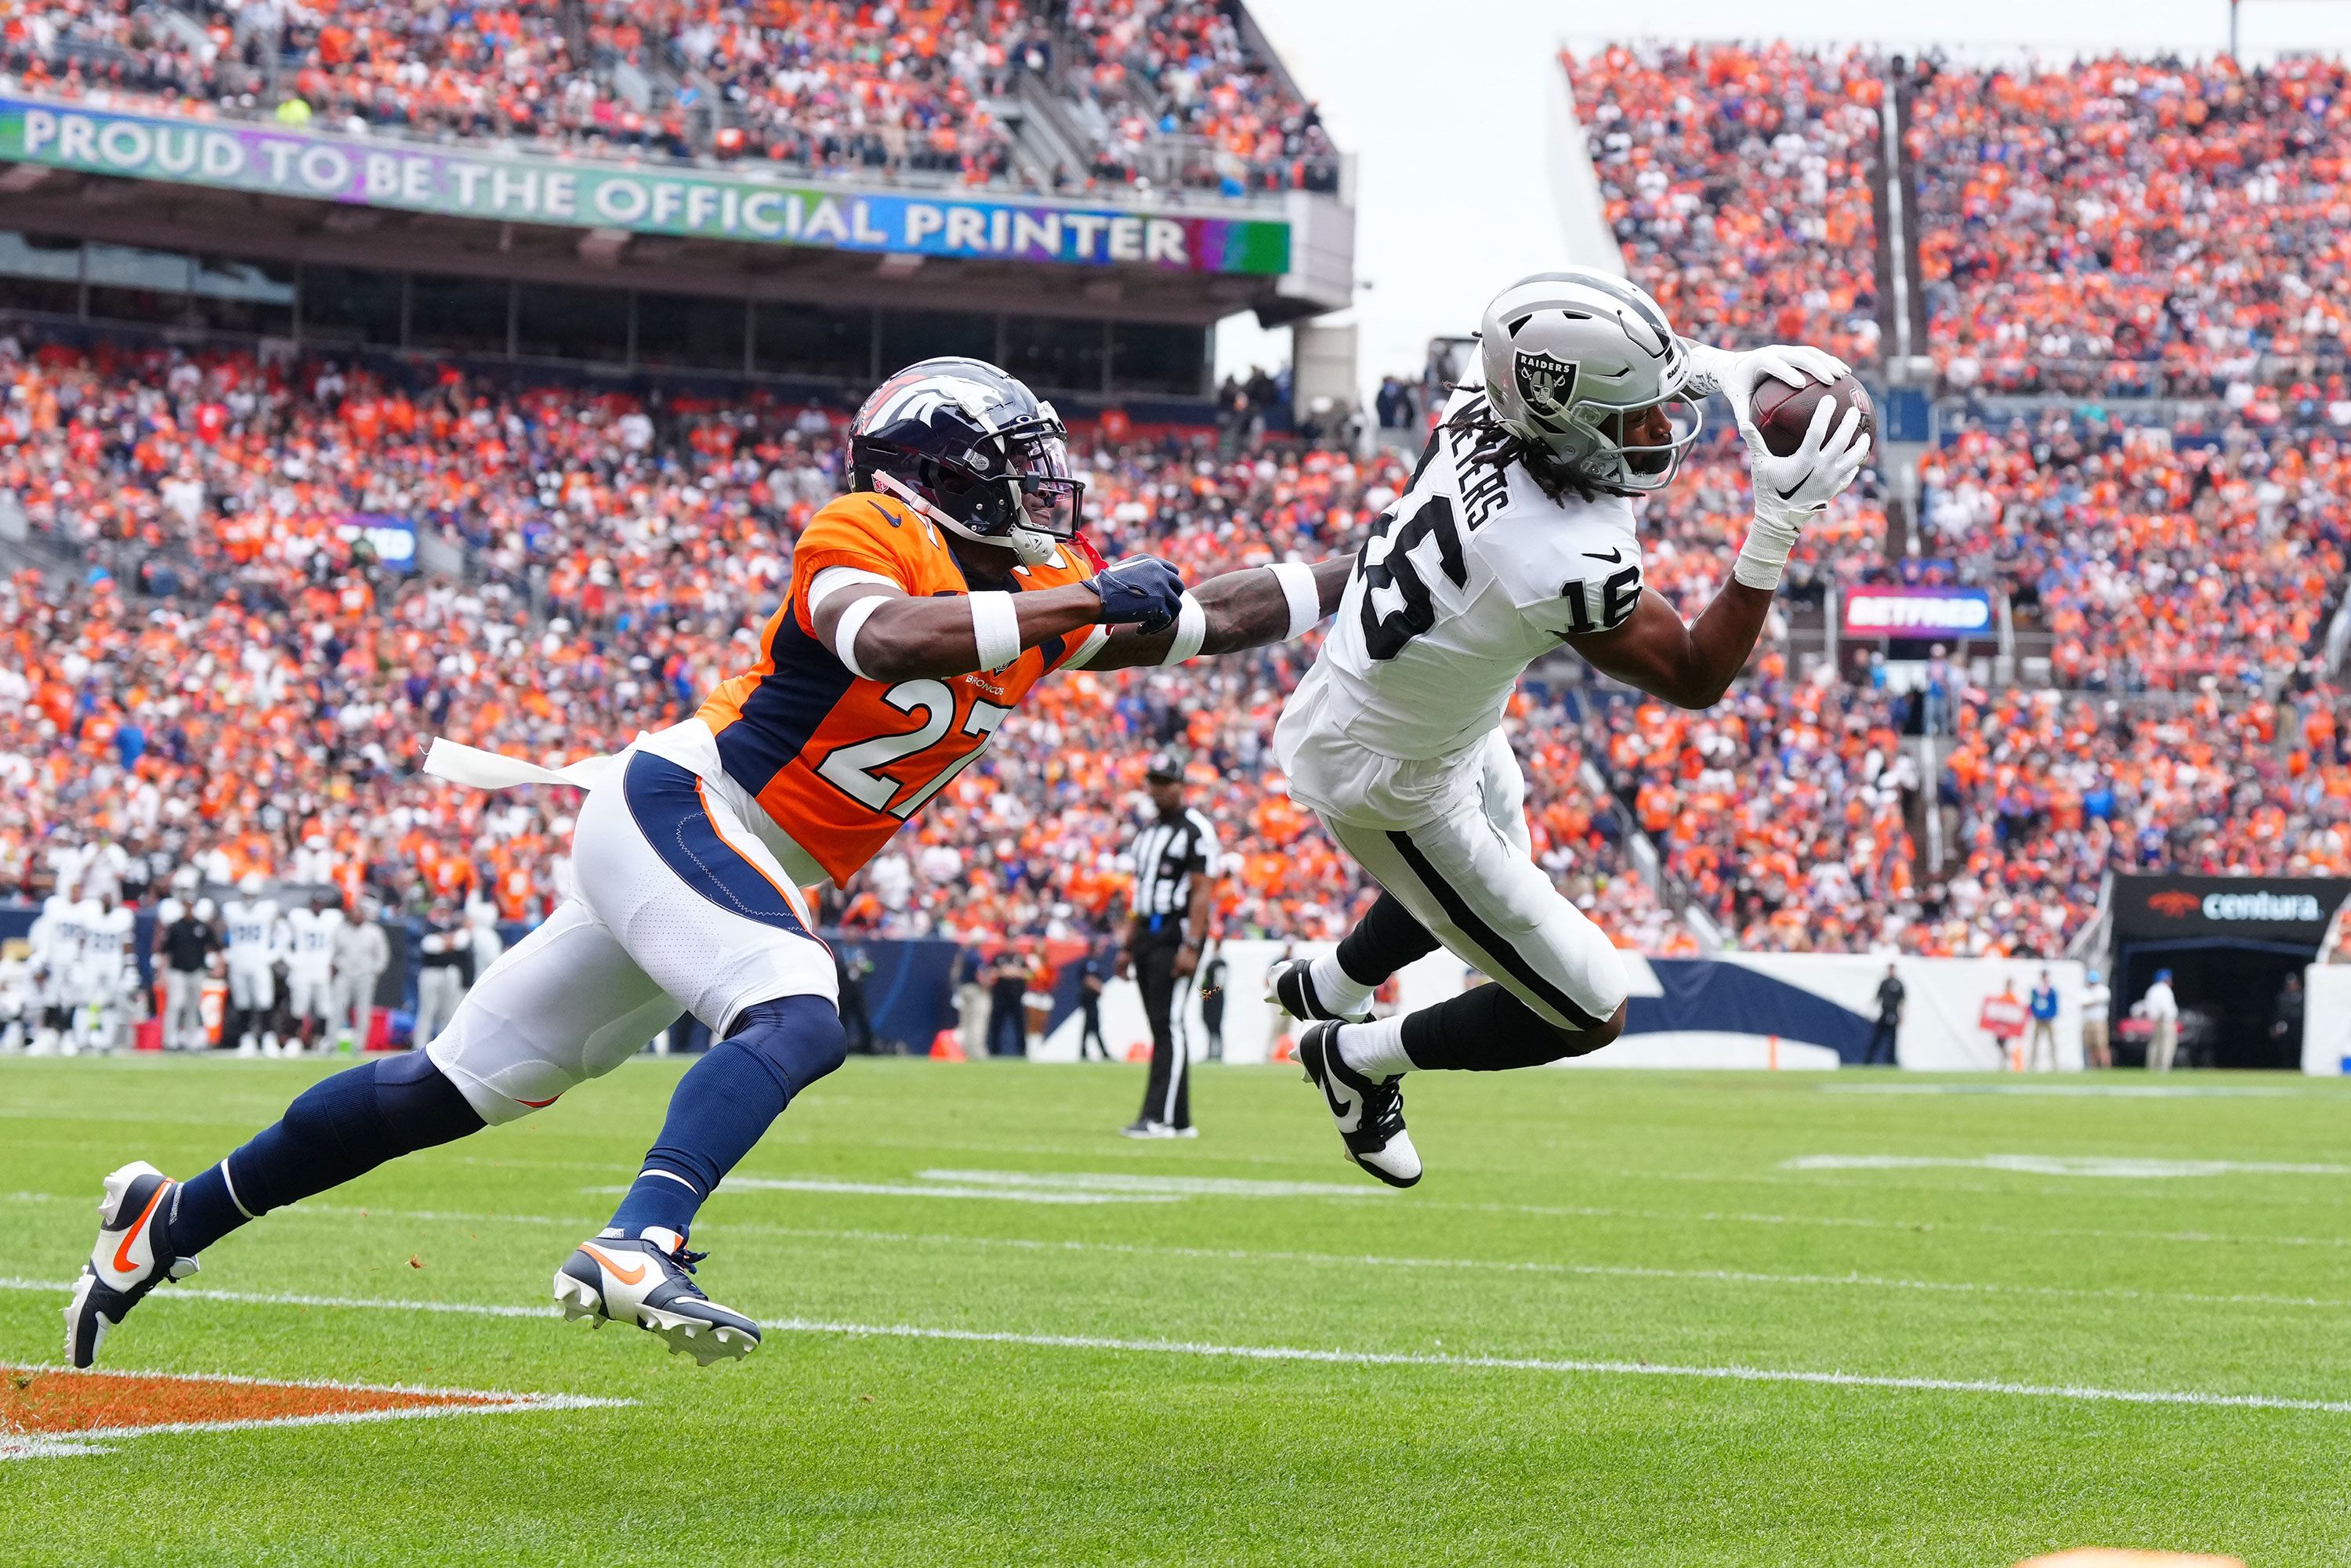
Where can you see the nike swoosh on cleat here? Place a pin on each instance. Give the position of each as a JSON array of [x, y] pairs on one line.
[[626, 1276], [122, 1262], [1350, 1117]]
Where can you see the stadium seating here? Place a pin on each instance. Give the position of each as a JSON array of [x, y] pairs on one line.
[[1737, 180], [2134, 226], [622, 547]]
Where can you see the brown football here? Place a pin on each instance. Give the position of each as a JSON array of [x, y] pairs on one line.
[[1783, 413]]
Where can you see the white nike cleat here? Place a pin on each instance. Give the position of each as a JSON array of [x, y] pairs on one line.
[[1290, 988], [1369, 1114], [134, 1255], [628, 1280]]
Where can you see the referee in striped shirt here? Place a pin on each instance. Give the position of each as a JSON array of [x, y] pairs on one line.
[[1175, 877]]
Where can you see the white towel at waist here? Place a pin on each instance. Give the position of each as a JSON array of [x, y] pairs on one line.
[[482, 769]]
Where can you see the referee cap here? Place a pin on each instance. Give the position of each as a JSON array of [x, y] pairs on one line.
[[1165, 765]]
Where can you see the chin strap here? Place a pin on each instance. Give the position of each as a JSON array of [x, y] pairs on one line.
[[1030, 545]]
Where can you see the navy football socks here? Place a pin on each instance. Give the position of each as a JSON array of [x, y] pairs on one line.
[[724, 1104], [338, 1128]]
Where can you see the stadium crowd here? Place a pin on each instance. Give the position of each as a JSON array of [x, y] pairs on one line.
[[1170, 90], [247, 678], [1736, 179], [241, 674], [2136, 225]]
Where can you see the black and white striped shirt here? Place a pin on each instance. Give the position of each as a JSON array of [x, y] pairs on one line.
[[1168, 853]]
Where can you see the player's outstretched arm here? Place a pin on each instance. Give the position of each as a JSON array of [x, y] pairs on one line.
[[884, 634], [1237, 610], [1692, 665], [1689, 666]]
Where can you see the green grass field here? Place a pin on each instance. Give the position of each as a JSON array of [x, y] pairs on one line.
[[1081, 1361]]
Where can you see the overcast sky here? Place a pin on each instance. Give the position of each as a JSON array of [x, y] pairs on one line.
[[1454, 196]]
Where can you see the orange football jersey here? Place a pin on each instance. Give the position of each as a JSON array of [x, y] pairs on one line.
[[837, 761]]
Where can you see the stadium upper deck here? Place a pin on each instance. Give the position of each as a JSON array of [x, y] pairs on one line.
[[1166, 94], [791, 189]]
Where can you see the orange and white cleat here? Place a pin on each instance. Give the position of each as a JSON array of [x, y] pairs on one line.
[[637, 1279], [134, 1255]]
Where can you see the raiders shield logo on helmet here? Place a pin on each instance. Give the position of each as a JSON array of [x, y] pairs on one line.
[[1547, 383]]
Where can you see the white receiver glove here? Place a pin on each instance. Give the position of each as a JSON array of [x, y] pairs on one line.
[[1734, 374], [1788, 490]]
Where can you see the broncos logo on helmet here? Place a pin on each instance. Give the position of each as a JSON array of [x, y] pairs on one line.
[[972, 448]]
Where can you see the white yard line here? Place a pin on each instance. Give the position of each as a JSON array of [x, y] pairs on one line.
[[1645, 1216], [2081, 1091], [912, 1189], [1127, 1182], [2099, 1167], [1309, 1355], [1251, 1256]]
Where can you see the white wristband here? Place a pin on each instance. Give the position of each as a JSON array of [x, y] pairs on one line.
[[1297, 579], [994, 629], [1764, 556], [845, 630], [1191, 631]]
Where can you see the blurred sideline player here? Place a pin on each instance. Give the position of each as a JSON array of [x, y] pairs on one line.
[[249, 954], [308, 936], [107, 978], [1516, 535], [55, 950], [922, 607]]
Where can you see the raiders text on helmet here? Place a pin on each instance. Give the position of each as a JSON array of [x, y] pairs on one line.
[[970, 447], [1569, 357]]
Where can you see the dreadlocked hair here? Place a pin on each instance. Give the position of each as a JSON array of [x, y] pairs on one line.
[[1494, 447]]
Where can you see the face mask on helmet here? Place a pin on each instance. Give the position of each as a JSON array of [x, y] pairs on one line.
[[1030, 503], [1651, 442]]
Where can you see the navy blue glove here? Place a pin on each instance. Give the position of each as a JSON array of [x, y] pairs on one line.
[[1142, 590]]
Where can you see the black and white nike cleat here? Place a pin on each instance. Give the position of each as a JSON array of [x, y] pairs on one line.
[[134, 1255], [1370, 1115], [627, 1280], [1291, 989]]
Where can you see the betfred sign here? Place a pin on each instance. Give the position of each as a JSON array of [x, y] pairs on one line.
[[1957, 614]]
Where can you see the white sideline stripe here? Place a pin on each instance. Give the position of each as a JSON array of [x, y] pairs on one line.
[[1605, 1368], [1164, 1185], [2078, 1392], [2082, 1091], [1703, 1217], [2061, 1166], [1377, 1260], [814, 1233], [1343, 1260], [906, 1189]]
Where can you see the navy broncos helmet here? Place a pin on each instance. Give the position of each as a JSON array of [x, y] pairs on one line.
[[973, 449]]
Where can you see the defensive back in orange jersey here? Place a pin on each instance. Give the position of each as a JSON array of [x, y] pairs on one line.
[[841, 762]]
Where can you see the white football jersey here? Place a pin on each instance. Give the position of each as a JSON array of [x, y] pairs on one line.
[[110, 939], [86, 924], [1471, 575], [310, 937], [250, 925], [56, 936]]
